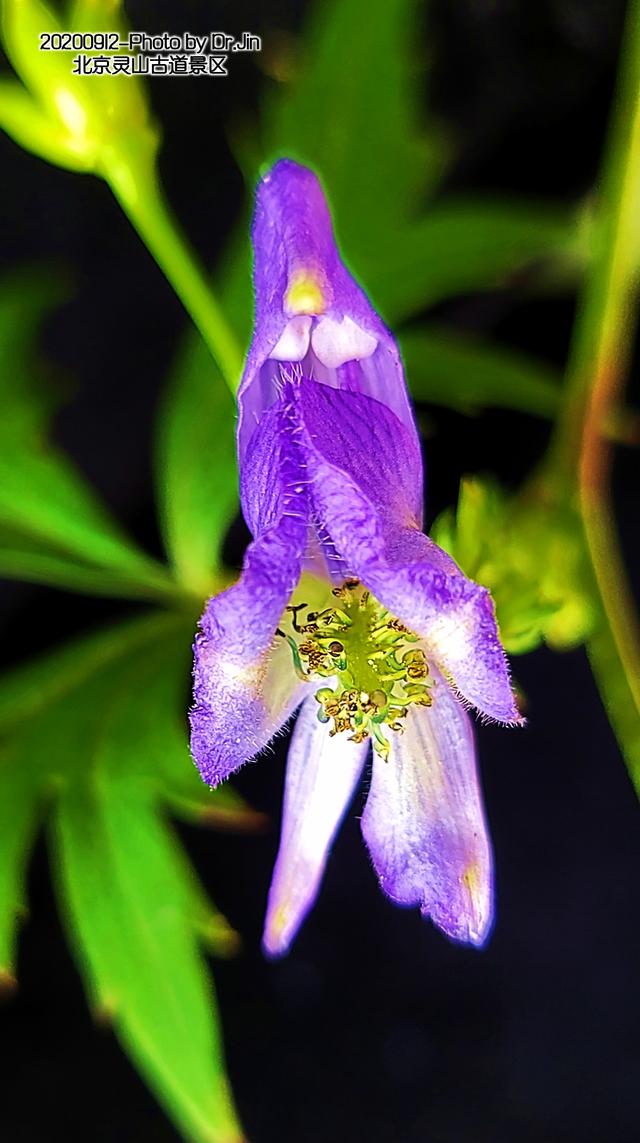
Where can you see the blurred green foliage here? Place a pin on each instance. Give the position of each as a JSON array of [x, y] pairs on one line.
[[74, 121], [52, 526], [530, 554], [197, 491], [93, 734]]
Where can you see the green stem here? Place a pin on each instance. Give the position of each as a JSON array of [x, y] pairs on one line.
[[603, 332], [580, 456], [134, 182]]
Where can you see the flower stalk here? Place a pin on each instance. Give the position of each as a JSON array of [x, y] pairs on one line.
[[136, 186], [104, 126], [600, 356]]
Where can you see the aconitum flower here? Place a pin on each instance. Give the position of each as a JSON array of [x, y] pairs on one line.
[[344, 607]]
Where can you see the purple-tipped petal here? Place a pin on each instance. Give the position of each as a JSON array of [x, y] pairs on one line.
[[243, 689], [424, 821], [364, 475], [321, 776], [309, 306]]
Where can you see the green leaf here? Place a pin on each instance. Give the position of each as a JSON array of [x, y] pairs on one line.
[[181, 789], [529, 551], [28, 688], [354, 116], [134, 905], [166, 762], [44, 500], [44, 504], [461, 246], [136, 922], [39, 705], [196, 471], [20, 795], [616, 696], [46, 681], [102, 724], [456, 371], [34, 566]]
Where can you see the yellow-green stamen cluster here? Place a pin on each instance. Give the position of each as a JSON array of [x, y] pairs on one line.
[[379, 674]]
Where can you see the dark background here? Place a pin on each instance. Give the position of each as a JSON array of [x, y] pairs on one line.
[[375, 1028]]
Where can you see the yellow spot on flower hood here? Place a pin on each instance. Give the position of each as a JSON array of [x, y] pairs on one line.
[[305, 293]]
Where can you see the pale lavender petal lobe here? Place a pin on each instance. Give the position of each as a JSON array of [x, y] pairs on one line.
[[321, 776], [424, 821]]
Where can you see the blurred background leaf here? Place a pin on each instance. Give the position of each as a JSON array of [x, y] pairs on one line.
[[20, 796], [529, 551], [616, 696], [377, 179], [53, 528], [196, 471], [97, 730], [411, 245], [445, 368], [463, 246]]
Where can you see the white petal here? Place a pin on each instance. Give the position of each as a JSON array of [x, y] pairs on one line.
[[294, 341], [335, 342], [424, 822], [321, 776]]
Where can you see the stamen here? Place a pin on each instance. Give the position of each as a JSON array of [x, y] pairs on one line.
[[378, 674]]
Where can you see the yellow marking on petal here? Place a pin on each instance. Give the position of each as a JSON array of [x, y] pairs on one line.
[[279, 923], [305, 294], [471, 878]]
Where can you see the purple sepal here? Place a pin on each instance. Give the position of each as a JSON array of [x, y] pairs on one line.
[[293, 241], [361, 470], [243, 690]]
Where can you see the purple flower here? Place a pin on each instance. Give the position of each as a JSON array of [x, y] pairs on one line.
[[344, 607]]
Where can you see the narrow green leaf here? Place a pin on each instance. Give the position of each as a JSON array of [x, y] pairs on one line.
[[354, 116], [358, 120], [28, 688], [132, 915], [456, 371], [164, 639], [190, 800], [134, 905], [44, 502], [20, 793], [616, 697], [461, 246], [196, 472], [37, 566], [28, 400]]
